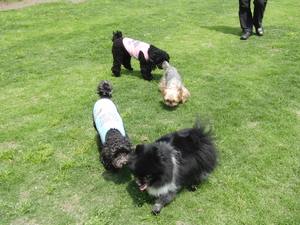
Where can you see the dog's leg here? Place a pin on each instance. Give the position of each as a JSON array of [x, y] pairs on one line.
[[161, 201], [116, 69], [146, 72], [127, 62], [118, 59], [203, 176], [145, 67]]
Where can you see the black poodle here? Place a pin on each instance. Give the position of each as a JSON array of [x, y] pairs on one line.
[[113, 143], [149, 56]]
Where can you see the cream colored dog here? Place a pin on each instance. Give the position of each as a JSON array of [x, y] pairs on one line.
[[171, 86]]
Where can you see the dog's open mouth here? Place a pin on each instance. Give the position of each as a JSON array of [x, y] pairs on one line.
[[143, 187]]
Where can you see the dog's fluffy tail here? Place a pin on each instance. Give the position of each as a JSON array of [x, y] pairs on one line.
[[203, 136], [117, 35], [105, 89], [204, 128]]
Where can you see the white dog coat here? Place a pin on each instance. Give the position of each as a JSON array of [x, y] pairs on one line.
[[134, 47], [106, 117]]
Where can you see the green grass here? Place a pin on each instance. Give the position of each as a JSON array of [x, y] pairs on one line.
[[52, 57]]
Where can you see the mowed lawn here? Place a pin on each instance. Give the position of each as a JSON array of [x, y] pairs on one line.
[[52, 57]]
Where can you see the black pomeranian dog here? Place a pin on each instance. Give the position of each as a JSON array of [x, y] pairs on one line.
[[149, 56], [113, 143], [182, 158]]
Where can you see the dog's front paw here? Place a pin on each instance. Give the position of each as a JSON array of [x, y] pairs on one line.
[[129, 68], [156, 209], [149, 77], [116, 72]]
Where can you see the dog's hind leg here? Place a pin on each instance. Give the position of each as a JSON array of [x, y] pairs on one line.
[[203, 176]]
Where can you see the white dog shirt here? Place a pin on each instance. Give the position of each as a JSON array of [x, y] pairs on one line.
[[106, 117], [134, 47]]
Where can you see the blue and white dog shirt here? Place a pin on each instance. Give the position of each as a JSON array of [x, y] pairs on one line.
[[106, 117]]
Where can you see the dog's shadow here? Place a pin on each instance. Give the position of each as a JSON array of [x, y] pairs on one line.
[[138, 197], [137, 73], [224, 29], [123, 176], [134, 73], [120, 177], [168, 108]]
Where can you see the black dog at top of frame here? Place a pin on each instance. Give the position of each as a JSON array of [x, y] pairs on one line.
[[182, 158], [149, 56], [113, 143]]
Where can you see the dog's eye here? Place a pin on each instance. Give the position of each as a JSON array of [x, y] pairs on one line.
[[148, 177]]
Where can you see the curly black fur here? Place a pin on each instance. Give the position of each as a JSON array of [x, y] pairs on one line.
[[105, 89], [114, 154], [122, 57]]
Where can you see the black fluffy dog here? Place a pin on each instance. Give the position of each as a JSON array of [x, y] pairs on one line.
[[149, 56], [113, 143], [182, 158]]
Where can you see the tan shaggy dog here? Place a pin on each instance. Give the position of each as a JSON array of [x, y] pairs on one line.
[[172, 87]]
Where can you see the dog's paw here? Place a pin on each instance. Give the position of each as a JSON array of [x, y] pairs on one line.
[[192, 188], [149, 77], [156, 209], [116, 72], [130, 68]]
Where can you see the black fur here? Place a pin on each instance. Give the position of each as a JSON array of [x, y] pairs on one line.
[[122, 57], [182, 158], [114, 154]]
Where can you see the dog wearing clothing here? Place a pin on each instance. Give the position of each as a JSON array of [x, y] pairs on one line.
[[149, 56], [113, 143]]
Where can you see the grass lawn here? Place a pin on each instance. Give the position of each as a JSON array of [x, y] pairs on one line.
[[52, 57]]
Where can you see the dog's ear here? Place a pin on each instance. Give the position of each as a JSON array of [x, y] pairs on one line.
[[163, 92], [180, 91], [139, 149], [181, 88], [185, 94]]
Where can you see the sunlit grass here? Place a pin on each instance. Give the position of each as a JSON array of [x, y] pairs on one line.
[[52, 57]]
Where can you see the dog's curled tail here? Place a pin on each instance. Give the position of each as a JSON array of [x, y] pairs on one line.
[[117, 35], [203, 128], [204, 132], [105, 89]]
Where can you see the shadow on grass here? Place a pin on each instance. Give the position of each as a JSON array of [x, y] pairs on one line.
[[137, 73], [168, 108], [225, 29], [139, 197], [120, 177]]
